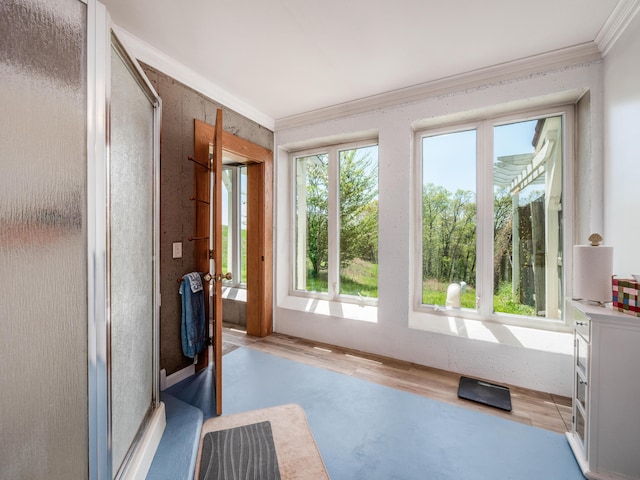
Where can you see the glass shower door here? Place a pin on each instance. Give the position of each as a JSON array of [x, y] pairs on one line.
[[132, 276]]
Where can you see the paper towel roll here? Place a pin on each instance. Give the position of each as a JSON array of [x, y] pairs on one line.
[[592, 270]]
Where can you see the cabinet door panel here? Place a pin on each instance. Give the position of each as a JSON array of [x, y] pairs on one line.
[[617, 379], [581, 391], [582, 355], [581, 428]]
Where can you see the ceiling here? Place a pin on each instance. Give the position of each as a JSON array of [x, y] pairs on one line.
[[289, 57]]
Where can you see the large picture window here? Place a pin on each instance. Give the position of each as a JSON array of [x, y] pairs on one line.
[[336, 219], [491, 219]]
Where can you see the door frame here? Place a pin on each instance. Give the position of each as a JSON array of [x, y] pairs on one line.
[[259, 161]]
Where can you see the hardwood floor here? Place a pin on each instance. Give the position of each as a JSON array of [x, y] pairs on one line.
[[530, 407]]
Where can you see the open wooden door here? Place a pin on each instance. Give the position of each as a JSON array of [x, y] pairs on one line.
[[216, 264], [208, 235], [210, 143]]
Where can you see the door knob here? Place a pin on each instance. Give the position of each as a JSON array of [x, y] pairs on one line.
[[226, 276]]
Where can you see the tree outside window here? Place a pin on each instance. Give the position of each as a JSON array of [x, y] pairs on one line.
[[525, 273], [337, 253]]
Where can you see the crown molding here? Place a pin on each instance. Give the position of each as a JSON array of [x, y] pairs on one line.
[[144, 52], [617, 22], [579, 54]]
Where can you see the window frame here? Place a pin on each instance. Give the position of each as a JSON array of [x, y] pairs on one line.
[[236, 231], [333, 263], [484, 126]]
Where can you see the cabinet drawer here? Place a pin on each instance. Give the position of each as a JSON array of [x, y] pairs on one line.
[[582, 325], [581, 322]]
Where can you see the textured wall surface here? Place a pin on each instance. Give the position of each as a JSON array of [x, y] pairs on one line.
[[180, 106]]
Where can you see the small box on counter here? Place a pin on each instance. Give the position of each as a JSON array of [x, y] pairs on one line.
[[625, 295]]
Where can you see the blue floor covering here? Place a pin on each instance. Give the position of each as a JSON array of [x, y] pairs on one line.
[[369, 431], [197, 390], [175, 458], [188, 404]]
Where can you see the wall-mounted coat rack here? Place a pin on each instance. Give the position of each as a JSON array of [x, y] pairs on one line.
[[203, 165], [206, 276]]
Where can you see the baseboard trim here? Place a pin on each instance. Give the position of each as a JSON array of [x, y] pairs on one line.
[[140, 463], [175, 377]]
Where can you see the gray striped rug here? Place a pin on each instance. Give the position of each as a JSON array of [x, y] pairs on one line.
[[240, 453]]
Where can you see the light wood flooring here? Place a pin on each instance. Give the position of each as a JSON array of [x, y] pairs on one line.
[[544, 410]]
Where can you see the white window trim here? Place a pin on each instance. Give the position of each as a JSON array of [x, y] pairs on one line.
[[333, 302], [441, 320]]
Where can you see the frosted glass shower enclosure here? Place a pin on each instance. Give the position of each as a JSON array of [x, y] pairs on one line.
[[131, 253], [79, 250], [126, 186]]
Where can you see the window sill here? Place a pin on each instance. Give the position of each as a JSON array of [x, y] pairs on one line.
[[233, 293], [559, 342], [365, 313]]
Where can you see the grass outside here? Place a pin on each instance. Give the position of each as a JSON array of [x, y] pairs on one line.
[[243, 260], [435, 293], [505, 302], [358, 278]]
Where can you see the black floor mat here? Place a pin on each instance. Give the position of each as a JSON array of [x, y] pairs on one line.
[[485, 393], [240, 453]]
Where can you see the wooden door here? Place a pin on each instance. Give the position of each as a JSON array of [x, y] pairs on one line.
[[216, 271], [208, 236], [210, 141]]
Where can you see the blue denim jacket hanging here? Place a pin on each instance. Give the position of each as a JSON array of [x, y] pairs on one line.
[[194, 325]]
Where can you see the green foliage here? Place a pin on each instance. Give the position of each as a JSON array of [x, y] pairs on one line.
[[505, 302], [243, 262], [435, 293], [358, 211], [225, 236], [448, 235], [449, 247], [317, 209], [360, 278], [358, 207], [317, 283]]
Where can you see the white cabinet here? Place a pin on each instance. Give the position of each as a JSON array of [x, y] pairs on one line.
[[605, 435]]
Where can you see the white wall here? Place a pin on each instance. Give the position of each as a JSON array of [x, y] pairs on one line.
[[519, 356], [622, 150]]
